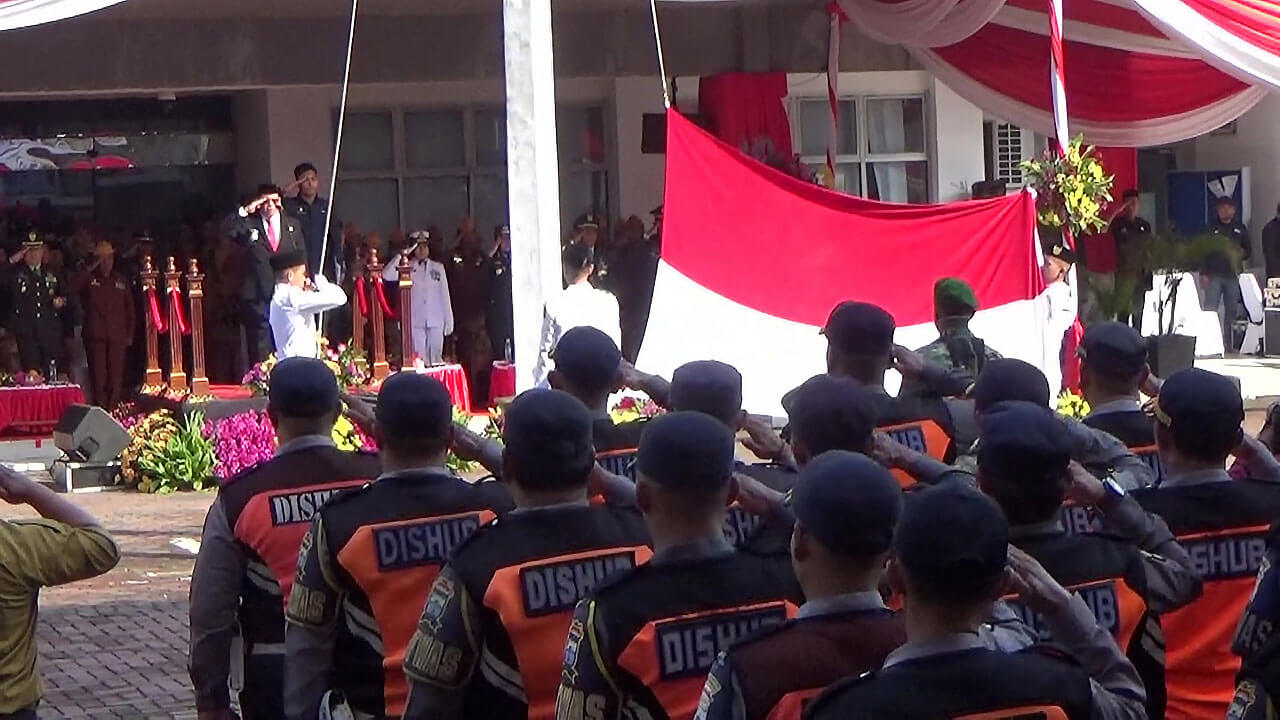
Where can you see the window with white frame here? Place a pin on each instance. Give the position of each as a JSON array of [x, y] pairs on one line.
[[413, 168], [881, 148]]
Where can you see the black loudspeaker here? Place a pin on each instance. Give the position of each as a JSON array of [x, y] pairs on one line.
[[88, 434], [1271, 332]]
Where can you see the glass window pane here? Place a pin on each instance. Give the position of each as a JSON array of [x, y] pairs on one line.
[[491, 137], [489, 195], [815, 117], [439, 201], [367, 142], [434, 140], [849, 178], [373, 205], [895, 125], [902, 182], [580, 136]]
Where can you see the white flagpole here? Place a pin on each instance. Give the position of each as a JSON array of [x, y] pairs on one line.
[[662, 64], [337, 140]]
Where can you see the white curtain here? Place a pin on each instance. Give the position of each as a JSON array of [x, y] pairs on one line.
[[925, 23], [886, 131]]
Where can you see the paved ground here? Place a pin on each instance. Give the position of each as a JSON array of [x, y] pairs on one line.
[[116, 646]]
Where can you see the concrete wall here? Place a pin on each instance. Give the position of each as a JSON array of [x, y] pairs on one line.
[[280, 127]]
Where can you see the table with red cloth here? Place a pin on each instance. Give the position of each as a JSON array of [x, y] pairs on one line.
[[454, 379], [502, 382], [36, 410]]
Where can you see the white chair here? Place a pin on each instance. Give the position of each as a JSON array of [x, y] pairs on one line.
[[1187, 316], [1251, 293]]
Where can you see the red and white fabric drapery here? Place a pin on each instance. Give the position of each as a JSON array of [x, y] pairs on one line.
[[25, 13], [1140, 72]]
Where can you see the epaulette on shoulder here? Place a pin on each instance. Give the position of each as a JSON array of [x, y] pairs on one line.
[[835, 690], [617, 582], [245, 472], [484, 531], [344, 495]]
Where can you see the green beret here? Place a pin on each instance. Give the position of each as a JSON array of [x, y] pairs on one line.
[[954, 291]]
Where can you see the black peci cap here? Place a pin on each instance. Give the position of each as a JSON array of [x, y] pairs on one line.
[[859, 328], [1113, 349], [303, 388], [548, 428], [686, 450], [849, 502], [284, 260], [587, 358], [707, 386], [412, 405], [1061, 251], [1009, 379], [1201, 401], [1023, 442], [830, 413], [953, 537]]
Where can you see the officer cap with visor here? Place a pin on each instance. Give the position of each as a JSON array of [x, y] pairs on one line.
[[1114, 349], [849, 502], [303, 388], [858, 328], [686, 451]]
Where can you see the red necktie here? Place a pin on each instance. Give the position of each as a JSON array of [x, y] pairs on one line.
[[271, 236]]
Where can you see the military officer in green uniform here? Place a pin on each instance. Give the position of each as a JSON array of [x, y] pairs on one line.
[[957, 348], [37, 298]]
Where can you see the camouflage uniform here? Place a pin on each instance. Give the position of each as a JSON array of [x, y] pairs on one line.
[[959, 348]]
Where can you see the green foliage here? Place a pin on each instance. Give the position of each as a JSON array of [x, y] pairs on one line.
[[1071, 190], [184, 461], [490, 427], [1112, 294]]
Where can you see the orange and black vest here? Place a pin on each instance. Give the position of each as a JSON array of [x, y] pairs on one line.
[[1108, 575], [269, 508], [922, 424], [616, 445], [1134, 428], [779, 671], [528, 571], [386, 544], [976, 684], [662, 625], [1223, 526]]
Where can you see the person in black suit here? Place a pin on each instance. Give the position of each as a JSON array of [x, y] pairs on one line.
[[264, 230]]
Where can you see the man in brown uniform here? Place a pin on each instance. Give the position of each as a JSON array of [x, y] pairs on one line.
[[469, 288], [108, 324]]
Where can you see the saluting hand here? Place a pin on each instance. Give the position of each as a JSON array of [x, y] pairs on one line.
[[885, 450], [1085, 489], [757, 498], [908, 362], [762, 440], [15, 488], [1034, 586], [359, 412]]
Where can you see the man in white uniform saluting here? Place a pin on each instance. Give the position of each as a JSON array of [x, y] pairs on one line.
[[432, 313], [296, 303]]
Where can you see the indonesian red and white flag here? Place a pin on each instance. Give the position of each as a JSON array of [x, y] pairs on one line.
[[753, 261], [25, 13]]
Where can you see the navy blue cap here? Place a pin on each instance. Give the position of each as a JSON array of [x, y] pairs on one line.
[[952, 537], [707, 386], [830, 413], [587, 358], [686, 450], [1009, 379], [548, 428], [303, 388], [412, 405], [1200, 401], [849, 502], [859, 328], [1114, 349], [1022, 443]]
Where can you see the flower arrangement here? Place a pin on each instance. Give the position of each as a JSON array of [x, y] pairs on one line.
[[240, 441], [1072, 405], [147, 434], [349, 365], [348, 436], [630, 409], [185, 461], [1071, 189], [258, 378]]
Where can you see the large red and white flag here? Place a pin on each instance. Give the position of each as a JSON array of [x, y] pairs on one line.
[[753, 261], [25, 13]]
